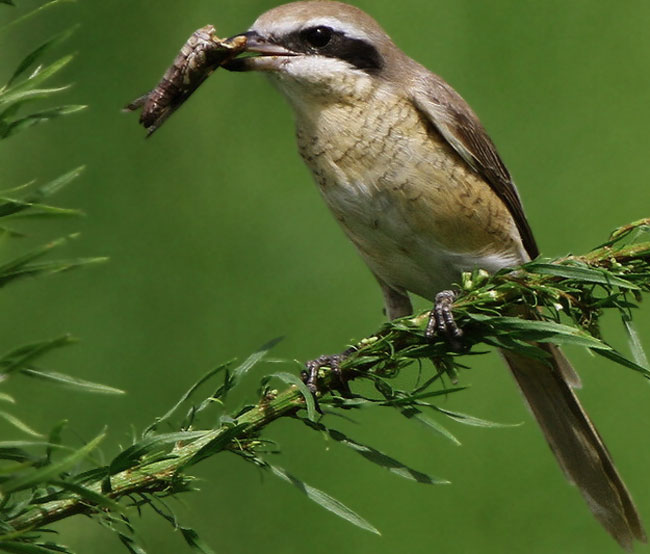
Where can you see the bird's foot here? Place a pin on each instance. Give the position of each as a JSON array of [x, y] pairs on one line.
[[442, 322], [333, 362]]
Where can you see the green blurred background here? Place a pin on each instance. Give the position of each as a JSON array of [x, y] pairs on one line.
[[219, 242]]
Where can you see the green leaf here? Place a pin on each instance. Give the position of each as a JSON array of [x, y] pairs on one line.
[[55, 439], [30, 210], [91, 496], [636, 347], [18, 424], [45, 474], [13, 127], [540, 331], [10, 98], [48, 268], [130, 543], [31, 14], [70, 382], [194, 541], [150, 445], [383, 460], [411, 412], [35, 197], [622, 360], [12, 266], [19, 357], [580, 274], [217, 444], [324, 500], [16, 547], [7, 398], [292, 379], [233, 378], [183, 398], [407, 399], [38, 52], [466, 419]]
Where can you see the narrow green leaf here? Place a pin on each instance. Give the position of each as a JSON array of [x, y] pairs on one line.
[[408, 399], [18, 424], [13, 127], [32, 94], [540, 331], [34, 254], [471, 420], [54, 186], [45, 474], [220, 441], [30, 210], [70, 382], [55, 439], [31, 14], [10, 206], [150, 445], [15, 454], [324, 500], [130, 543], [292, 379], [32, 444], [15, 547], [383, 460], [8, 2], [412, 412], [636, 347], [581, 274], [194, 541], [39, 76], [7, 398], [622, 360], [184, 398], [240, 371], [91, 496], [47, 268], [38, 52], [19, 357]]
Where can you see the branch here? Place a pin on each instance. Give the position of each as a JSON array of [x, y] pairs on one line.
[[570, 294]]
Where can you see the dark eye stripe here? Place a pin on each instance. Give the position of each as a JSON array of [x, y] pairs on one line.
[[356, 52]]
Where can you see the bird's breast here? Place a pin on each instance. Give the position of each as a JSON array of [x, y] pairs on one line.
[[416, 212]]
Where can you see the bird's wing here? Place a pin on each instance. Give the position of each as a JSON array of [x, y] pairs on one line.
[[460, 127]]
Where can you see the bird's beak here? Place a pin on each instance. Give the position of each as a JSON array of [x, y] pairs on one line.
[[268, 55]]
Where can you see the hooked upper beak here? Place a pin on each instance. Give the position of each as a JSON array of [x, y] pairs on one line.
[[270, 55]]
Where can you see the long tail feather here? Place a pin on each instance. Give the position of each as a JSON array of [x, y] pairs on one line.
[[576, 443]]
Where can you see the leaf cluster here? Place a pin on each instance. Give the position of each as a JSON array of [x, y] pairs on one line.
[[569, 295]]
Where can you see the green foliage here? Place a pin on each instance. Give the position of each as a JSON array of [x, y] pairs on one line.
[[25, 85], [34, 464], [569, 304]]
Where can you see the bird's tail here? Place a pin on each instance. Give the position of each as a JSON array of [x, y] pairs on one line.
[[574, 440]]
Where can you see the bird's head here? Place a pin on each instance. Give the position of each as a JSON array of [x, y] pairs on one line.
[[319, 50]]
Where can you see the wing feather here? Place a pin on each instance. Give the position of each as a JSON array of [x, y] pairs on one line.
[[461, 128]]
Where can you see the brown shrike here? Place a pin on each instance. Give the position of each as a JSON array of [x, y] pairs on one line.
[[417, 185]]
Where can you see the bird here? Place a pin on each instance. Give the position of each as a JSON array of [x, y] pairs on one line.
[[415, 182]]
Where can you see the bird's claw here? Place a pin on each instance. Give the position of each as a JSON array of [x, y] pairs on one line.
[[442, 322], [310, 376]]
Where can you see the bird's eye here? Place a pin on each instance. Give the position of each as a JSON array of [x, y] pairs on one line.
[[318, 37]]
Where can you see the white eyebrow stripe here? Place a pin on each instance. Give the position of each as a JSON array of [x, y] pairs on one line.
[[288, 26]]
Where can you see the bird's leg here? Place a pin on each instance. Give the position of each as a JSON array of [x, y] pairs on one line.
[[397, 304], [441, 320], [310, 375]]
